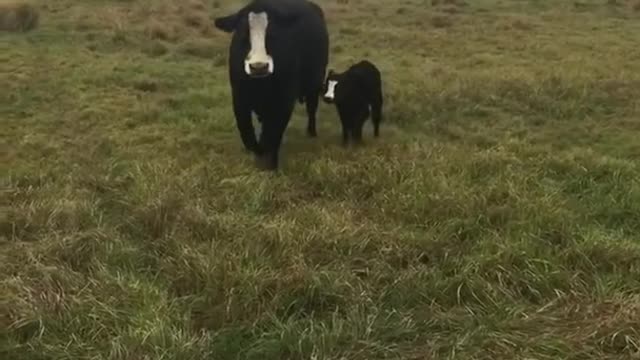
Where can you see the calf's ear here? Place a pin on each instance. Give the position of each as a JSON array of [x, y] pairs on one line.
[[227, 23]]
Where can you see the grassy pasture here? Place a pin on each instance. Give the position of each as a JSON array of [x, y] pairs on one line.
[[497, 217]]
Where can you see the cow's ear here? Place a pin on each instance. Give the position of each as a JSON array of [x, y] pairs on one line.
[[227, 23]]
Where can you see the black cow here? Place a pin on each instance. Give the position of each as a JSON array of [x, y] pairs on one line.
[[355, 92], [279, 53]]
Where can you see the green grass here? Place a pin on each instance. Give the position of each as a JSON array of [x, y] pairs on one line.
[[497, 217]]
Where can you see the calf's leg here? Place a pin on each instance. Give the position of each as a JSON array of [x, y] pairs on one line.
[[345, 120], [358, 124], [345, 133], [356, 131]]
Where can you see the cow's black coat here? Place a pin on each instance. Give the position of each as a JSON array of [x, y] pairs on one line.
[[297, 39], [357, 95]]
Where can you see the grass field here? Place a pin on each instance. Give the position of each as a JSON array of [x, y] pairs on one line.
[[497, 217]]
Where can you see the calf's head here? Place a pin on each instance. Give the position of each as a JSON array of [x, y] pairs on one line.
[[330, 85], [261, 33]]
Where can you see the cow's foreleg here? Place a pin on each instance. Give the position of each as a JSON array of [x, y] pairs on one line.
[[244, 124], [273, 130]]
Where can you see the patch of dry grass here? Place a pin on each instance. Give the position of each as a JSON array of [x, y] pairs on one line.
[[441, 21], [497, 216], [201, 48], [18, 16], [176, 21], [162, 31], [449, 3], [155, 48]]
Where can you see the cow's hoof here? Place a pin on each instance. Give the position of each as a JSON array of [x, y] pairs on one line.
[[252, 149], [266, 163], [312, 133]]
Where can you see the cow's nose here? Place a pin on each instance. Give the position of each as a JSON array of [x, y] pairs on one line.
[[259, 67]]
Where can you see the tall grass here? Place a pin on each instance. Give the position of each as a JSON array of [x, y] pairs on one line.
[[497, 217]]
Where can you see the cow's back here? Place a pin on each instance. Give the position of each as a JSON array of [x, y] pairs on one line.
[[314, 44]]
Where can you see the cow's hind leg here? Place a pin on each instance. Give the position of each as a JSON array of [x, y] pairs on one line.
[[312, 108], [376, 118], [376, 113]]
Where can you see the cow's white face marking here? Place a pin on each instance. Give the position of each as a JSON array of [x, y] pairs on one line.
[[258, 63], [331, 89]]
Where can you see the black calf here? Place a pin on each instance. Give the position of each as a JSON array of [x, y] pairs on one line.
[[356, 93]]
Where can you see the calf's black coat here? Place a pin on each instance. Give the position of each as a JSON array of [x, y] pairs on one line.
[[297, 39], [357, 94]]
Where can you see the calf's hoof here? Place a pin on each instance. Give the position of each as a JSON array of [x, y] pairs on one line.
[[312, 133]]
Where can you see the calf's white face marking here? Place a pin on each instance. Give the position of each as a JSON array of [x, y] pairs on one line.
[[258, 58], [331, 88]]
